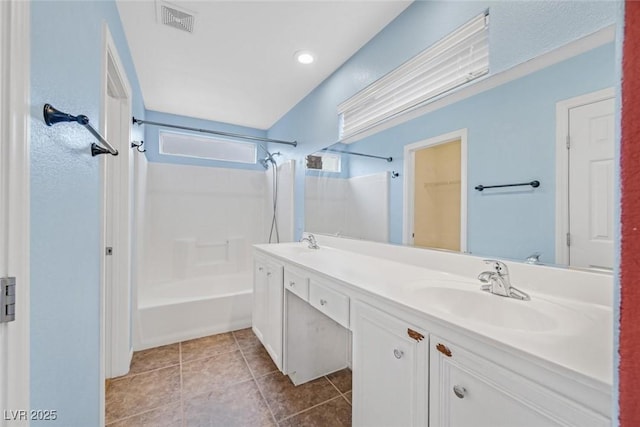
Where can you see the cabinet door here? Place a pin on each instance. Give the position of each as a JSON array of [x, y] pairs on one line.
[[467, 390], [274, 297], [389, 370], [259, 315]]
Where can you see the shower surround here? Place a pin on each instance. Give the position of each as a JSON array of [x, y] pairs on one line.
[[199, 225]]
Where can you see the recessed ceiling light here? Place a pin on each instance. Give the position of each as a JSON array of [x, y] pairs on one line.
[[304, 57]]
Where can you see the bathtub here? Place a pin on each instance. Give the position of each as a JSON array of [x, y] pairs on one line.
[[192, 308]]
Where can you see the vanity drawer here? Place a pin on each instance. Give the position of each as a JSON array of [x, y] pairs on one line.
[[332, 303], [296, 282]]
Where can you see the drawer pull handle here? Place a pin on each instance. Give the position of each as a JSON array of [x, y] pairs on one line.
[[292, 283], [415, 334], [323, 302], [398, 353], [443, 349], [459, 391]]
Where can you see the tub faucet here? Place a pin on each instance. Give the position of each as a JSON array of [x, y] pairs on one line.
[[498, 282], [313, 243]]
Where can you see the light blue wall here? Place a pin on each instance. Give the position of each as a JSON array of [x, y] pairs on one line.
[[519, 31], [511, 138], [66, 49], [151, 141]]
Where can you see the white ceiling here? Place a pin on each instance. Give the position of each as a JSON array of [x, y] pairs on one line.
[[238, 65]]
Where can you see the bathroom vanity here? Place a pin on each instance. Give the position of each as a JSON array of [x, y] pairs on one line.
[[427, 346]]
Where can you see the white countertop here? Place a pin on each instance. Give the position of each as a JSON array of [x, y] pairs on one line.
[[571, 334]]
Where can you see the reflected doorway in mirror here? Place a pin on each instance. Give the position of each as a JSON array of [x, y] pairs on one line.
[[435, 185]]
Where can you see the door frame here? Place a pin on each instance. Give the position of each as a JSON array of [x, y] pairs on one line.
[[563, 109], [15, 24], [409, 178], [115, 317]]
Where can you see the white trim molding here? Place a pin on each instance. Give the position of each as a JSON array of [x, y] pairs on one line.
[[408, 184], [117, 182], [15, 48], [562, 166]]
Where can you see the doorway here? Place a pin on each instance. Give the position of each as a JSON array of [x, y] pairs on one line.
[[435, 192], [585, 171]]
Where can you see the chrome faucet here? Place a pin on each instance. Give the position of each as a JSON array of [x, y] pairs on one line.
[[313, 243], [534, 258], [498, 283]]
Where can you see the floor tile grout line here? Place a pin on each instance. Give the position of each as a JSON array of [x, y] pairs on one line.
[[141, 413], [149, 409], [345, 398], [255, 381], [211, 355], [339, 391], [124, 377], [331, 382], [309, 408]]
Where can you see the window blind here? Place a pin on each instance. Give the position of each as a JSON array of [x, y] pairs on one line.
[[460, 57]]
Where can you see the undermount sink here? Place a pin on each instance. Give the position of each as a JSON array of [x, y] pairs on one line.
[[483, 307]]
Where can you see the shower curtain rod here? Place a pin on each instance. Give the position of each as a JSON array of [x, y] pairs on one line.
[[214, 132], [388, 159]]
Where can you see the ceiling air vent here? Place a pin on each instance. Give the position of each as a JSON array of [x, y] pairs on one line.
[[175, 17]]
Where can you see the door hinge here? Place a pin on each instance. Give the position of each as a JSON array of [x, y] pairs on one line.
[[568, 142], [568, 239], [108, 250], [7, 299]]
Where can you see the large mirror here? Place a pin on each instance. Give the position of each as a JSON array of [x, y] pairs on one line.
[[429, 182]]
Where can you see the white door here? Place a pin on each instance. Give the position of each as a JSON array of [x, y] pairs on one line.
[[591, 187], [14, 211], [390, 379]]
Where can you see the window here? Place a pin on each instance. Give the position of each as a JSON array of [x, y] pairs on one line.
[[202, 147], [458, 58], [324, 162]]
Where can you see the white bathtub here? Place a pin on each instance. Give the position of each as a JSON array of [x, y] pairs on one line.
[[181, 310]]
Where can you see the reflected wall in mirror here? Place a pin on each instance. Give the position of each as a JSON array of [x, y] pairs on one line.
[[342, 204], [516, 132]]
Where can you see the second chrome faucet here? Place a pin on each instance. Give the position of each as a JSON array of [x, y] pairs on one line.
[[497, 281], [313, 243]]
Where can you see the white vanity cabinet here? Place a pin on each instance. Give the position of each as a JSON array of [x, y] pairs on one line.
[[390, 370], [320, 312], [268, 305], [467, 390]]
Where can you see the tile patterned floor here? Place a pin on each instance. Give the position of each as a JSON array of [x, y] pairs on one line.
[[222, 380]]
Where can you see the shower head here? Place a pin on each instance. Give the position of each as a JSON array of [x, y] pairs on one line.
[[269, 158]]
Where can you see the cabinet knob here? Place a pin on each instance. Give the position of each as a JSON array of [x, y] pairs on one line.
[[260, 268], [268, 273], [292, 283], [323, 302], [459, 391], [398, 353]]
